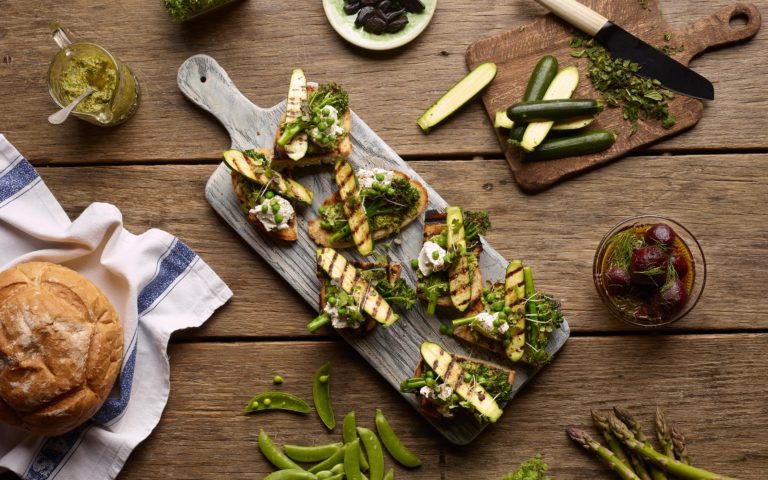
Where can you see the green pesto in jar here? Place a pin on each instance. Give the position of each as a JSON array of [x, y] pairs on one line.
[[89, 70]]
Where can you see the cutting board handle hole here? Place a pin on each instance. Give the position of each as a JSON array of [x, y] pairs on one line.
[[203, 79], [738, 20]]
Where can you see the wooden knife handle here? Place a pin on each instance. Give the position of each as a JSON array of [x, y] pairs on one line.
[[577, 14]]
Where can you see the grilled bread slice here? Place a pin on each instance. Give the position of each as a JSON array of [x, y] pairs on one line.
[[314, 155], [393, 273], [322, 237], [435, 224], [290, 234], [454, 377]]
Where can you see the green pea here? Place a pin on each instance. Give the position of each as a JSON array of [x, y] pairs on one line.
[[454, 398], [429, 374], [321, 393], [264, 208], [430, 382], [331, 300], [415, 263], [435, 255], [507, 310], [322, 210], [391, 191], [393, 444], [270, 194], [481, 380], [273, 454], [380, 177], [490, 297], [275, 207], [311, 454], [443, 329], [486, 292], [277, 401], [277, 380], [467, 377], [278, 219]]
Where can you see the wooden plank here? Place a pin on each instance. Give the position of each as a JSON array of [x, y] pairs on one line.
[[258, 43], [710, 385], [557, 232]]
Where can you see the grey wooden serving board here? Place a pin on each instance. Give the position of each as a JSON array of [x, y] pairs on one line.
[[394, 351]]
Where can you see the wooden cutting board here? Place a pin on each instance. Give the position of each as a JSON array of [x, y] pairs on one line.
[[517, 51], [393, 351]]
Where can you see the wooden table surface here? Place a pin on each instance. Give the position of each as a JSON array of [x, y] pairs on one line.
[[707, 371]]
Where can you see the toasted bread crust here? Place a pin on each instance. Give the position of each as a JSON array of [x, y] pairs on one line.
[[430, 409], [323, 238], [290, 234], [393, 274], [343, 150]]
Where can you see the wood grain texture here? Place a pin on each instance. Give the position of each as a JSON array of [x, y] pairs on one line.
[[519, 50], [556, 232], [710, 385], [392, 351], [258, 44]]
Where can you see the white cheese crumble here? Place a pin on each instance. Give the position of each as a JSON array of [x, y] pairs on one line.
[[267, 218], [445, 392], [366, 177], [427, 392], [484, 323], [341, 321], [427, 261]]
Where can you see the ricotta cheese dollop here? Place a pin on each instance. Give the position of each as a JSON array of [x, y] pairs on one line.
[[267, 216], [431, 258], [366, 177]]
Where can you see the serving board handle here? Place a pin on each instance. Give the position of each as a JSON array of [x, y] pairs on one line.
[[717, 30], [205, 83], [577, 14]]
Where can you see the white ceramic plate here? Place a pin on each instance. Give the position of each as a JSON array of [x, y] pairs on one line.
[[345, 26]]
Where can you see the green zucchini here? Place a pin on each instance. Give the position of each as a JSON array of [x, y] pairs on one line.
[[562, 87], [458, 273], [543, 110], [297, 96], [514, 288], [542, 75], [458, 95], [592, 141], [264, 175], [573, 124], [502, 121]]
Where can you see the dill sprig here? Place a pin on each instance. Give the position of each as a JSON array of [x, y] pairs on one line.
[[620, 85], [623, 246]]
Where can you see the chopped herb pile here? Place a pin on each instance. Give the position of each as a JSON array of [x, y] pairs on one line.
[[320, 118], [620, 85], [397, 293], [182, 10], [532, 469]]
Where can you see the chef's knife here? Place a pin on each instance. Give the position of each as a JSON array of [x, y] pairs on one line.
[[622, 44]]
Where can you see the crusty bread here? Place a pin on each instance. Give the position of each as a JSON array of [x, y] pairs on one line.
[[393, 273], [289, 234], [322, 237], [434, 224], [61, 348], [343, 150], [430, 409]]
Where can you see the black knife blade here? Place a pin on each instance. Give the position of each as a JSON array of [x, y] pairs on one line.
[[653, 63], [622, 44]]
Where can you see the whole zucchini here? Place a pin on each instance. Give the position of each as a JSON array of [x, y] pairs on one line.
[[542, 75], [592, 141], [545, 110]]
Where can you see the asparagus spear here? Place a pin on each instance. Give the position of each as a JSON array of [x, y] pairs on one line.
[[601, 422], [670, 465], [635, 460], [678, 443], [612, 461], [663, 434], [631, 422]]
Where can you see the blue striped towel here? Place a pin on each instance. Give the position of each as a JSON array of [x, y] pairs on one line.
[[156, 283]]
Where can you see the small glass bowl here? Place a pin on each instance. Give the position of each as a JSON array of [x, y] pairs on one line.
[[699, 271]]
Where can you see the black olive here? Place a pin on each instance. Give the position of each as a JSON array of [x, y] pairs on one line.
[[375, 25], [367, 3], [413, 6], [392, 16], [363, 15], [386, 6], [352, 8], [397, 24], [381, 15]]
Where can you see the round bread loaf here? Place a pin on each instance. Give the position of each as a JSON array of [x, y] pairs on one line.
[[61, 348]]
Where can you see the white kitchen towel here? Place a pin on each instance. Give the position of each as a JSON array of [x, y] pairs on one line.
[[156, 283]]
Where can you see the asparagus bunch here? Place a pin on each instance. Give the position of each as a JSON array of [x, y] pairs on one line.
[[612, 461], [630, 454]]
